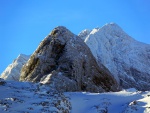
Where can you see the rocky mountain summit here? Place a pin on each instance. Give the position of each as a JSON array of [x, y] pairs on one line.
[[12, 72], [127, 59], [65, 62]]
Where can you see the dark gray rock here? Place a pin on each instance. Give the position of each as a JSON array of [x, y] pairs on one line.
[[64, 61], [2, 82]]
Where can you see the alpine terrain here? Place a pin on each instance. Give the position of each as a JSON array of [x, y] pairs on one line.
[[27, 97], [65, 62], [127, 59], [103, 70]]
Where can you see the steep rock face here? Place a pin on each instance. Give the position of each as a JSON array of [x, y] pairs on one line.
[[12, 72], [127, 59], [64, 61]]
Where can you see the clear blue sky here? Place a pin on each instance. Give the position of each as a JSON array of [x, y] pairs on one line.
[[24, 23]]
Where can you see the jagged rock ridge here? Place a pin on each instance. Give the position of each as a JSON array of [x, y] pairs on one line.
[[12, 72], [127, 59], [65, 62]]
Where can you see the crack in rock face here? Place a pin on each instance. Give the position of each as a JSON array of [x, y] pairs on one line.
[[64, 61]]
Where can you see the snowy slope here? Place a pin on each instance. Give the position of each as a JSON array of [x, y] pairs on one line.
[[12, 72], [127, 59], [126, 101], [26, 97]]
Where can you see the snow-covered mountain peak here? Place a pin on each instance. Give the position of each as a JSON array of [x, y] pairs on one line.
[[12, 72], [127, 59], [22, 57], [112, 30], [112, 26], [84, 33], [112, 33], [94, 30]]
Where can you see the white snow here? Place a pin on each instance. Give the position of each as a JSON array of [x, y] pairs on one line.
[[12, 72], [26, 97], [45, 79], [112, 47], [117, 102], [117, 51], [84, 33]]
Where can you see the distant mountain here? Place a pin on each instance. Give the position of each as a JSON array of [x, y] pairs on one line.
[[65, 62], [127, 59], [12, 72]]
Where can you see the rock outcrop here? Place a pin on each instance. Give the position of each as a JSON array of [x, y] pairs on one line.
[[65, 62], [127, 59], [12, 72]]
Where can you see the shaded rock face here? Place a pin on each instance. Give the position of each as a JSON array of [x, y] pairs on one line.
[[64, 61]]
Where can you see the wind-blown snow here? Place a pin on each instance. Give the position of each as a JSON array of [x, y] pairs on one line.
[[127, 59], [12, 72]]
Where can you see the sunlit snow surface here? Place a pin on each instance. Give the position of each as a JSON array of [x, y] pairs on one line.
[[12, 72], [25, 97], [126, 101], [127, 59]]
